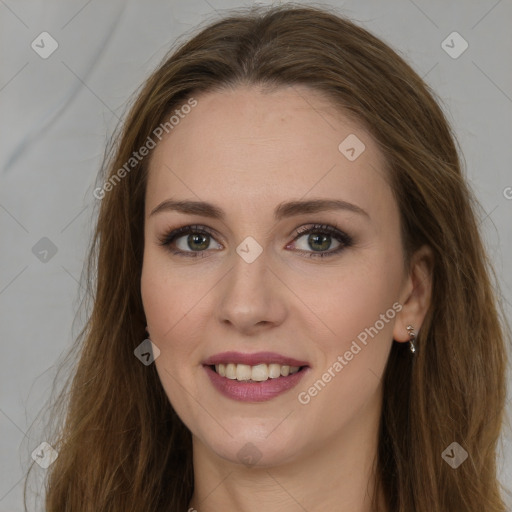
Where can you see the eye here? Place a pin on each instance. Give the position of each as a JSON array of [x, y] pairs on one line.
[[196, 240], [320, 240]]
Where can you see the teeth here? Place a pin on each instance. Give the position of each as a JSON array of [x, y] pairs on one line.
[[258, 373], [274, 370], [230, 371], [243, 372]]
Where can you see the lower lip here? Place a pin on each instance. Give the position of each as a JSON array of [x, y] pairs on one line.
[[244, 391]]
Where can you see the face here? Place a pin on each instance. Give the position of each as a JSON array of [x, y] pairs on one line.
[[277, 279]]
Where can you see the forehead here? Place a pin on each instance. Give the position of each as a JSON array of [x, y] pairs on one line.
[[250, 144]]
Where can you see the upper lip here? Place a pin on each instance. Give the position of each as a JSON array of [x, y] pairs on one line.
[[253, 359]]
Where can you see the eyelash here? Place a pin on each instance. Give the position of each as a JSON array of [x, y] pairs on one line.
[[342, 237]]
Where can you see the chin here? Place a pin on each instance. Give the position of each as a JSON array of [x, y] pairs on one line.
[[264, 446], [252, 453]]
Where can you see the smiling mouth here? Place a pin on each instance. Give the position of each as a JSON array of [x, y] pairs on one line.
[[256, 373]]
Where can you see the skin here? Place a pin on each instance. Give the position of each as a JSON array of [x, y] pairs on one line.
[[246, 151]]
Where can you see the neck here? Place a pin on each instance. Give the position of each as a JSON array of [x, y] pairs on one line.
[[337, 473]]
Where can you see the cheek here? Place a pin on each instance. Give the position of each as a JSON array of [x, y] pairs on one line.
[[161, 304], [348, 301], [165, 306], [355, 314], [166, 295], [164, 302], [173, 307]]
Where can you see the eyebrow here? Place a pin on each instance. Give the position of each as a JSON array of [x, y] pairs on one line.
[[283, 210]]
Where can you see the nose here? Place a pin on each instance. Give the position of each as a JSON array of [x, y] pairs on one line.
[[252, 297]]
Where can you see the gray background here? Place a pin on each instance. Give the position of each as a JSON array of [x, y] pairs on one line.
[[57, 114]]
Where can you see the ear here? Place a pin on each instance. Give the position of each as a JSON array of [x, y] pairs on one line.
[[416, 293]]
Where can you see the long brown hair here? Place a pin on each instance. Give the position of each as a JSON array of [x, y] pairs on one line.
[[123, 448]]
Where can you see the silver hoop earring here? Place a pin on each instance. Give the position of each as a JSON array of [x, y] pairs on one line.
[[412, 337]]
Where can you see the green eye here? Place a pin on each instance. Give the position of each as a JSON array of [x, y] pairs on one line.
[[197, 240]]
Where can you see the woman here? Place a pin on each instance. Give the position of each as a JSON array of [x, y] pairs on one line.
[[293, 307]]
